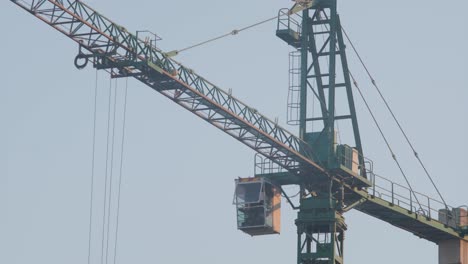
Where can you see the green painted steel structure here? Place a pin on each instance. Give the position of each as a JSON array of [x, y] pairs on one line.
[[324, 73], [329, 185]]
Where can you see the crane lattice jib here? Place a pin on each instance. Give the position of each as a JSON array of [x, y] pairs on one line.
[[113, 47]]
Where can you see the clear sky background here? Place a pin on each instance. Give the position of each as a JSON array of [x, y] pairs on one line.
[[178, 171]]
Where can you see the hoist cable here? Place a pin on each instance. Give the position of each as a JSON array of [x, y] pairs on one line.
[[385, 139], [120, 170], [91, 202], [111, 176], [106, 171], [374, 83], [231, 33]]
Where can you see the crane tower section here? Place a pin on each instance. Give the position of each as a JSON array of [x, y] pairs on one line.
[[319, 83]]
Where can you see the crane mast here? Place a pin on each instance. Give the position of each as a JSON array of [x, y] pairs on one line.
[[333, 178], [323, 69]]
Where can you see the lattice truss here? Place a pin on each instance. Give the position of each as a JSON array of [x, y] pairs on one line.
[[111, 47]]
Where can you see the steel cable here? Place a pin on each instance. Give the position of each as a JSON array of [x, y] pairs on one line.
[[385, 139], [120, 170], [109, 206], [106, 172], [231, 33], [91, 202], [381, 131], [374, 83]]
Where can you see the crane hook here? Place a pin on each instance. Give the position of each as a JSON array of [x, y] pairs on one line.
[[81, 57]]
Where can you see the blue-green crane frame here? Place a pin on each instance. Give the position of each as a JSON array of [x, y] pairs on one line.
[[111, 47], [320, 214]]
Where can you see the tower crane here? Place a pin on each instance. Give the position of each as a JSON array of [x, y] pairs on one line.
[[333, 178]]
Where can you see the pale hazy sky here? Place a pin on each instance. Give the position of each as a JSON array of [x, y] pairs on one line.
[[178, 171]]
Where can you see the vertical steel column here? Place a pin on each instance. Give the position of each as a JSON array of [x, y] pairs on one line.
[[349, 92], [332, 83], [304, 70]]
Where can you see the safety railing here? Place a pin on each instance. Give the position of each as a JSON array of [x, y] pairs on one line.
[[413, 201], [264, 165], [397, 194], [289, 21], [392, 192]]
